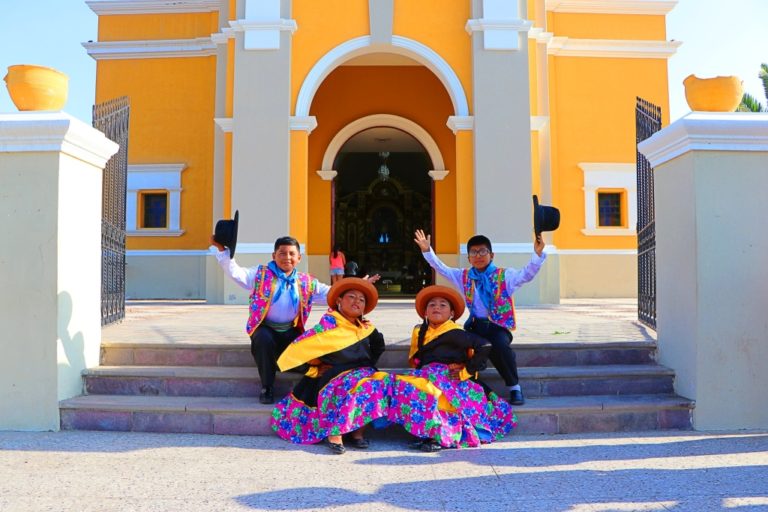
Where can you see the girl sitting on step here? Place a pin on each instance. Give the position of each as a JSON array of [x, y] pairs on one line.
[[440, 401], [342, 391]]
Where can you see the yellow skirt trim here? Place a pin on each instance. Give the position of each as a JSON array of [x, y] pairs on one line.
[[425, 385], [375, 376]]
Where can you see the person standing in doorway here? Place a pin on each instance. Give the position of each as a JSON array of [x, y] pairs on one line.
[[337, 260]]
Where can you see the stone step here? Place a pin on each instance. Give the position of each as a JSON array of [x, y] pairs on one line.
[[528, 354], [244, 416], [219, 381]]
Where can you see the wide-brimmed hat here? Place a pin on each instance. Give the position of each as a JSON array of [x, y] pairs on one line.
[[226, 233], [449, 294], [545, 218], [354, 283]]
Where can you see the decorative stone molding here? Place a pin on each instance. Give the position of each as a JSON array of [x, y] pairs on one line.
[[500, 25], [658, 7], [707, 131], [262, 25], [539, 35], [438, 175], [400, 46], [222, 37], [303, 123], [224, 123], [609, 175], [154, 177], [259, 248], [401, 123], [154, 232], [438, 65], [539, 122], [327, 175], [160, 252], [612, 48], [511, 248], [155, 49], [457, 123], [595, 252], [110, 7], [609, 231], [499, 34], [54, 132]]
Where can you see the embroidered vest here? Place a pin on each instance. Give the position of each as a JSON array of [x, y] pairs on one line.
[[263, 291], [502, 311]]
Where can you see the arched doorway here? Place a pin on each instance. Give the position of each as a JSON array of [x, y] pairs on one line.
[[381, 195]]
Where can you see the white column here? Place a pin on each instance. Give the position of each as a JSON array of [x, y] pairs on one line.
[[711, 174], [50, 262]]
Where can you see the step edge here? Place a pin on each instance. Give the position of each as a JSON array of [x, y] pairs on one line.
[[250, 406]]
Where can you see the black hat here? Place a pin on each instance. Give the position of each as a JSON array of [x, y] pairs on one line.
[[226, 233], [545, 218]]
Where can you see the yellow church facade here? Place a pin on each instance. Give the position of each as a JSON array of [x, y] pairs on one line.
[[355, 122]]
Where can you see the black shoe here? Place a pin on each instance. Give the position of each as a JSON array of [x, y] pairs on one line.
[[267, 395], [430, 445], [516, 397], [359, 443], [336, 448], [416, 445]]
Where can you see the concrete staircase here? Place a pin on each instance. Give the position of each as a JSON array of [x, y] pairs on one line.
[[213, 389]]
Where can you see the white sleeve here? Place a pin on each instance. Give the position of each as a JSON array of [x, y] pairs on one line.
[[452, 274], [244, 277], [321, 291], [516, 278]]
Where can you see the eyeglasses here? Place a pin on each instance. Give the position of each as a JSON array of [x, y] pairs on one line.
[[479, 252]]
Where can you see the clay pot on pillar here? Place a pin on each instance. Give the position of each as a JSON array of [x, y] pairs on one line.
[[37, 87], [719, 94]]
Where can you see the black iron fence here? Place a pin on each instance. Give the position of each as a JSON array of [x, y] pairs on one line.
[[647, 122], [111, 117]]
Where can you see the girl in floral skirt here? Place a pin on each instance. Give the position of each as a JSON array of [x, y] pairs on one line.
[[342, 391], [440, 401]]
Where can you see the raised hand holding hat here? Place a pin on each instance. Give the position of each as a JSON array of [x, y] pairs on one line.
[[226, 233], [545, 218]]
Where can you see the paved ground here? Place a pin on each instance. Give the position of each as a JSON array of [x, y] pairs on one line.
[[104, 472], [583, 320]]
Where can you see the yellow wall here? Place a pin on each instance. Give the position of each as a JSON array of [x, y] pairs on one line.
[[320, 30], [172, 109], [591, 103], [607, 26], [441, 27], [592, 109], [412, 92], [157, 26]]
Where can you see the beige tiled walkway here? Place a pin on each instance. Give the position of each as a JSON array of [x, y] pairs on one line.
[[574, 320]]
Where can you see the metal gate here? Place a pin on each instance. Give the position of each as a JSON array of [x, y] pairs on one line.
[[647, 122], [111, 117]]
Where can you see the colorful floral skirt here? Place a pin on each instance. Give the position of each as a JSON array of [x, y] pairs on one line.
[[428, 403], [348, 402]]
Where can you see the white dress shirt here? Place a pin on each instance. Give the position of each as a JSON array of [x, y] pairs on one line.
[[514, 278]]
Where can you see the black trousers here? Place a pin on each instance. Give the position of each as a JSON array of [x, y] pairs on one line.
[[502, 356], [266, 346]]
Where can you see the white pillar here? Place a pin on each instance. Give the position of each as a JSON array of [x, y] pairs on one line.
[[711, 174], [50, 262]]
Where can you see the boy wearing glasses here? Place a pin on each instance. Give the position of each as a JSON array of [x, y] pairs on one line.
[[488, 292]]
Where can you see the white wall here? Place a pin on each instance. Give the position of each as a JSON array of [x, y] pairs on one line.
[[50, 263], [711, 174]]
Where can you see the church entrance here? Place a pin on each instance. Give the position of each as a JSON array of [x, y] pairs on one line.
[[382, 194]]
